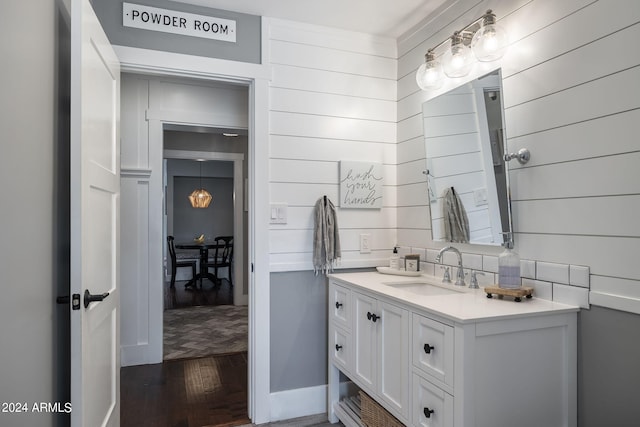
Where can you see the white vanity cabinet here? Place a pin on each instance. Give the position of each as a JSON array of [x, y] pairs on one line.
[[455, 360]]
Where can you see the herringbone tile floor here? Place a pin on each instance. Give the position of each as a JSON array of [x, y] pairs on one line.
[[205, 331]]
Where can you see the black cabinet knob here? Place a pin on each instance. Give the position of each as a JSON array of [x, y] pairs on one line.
[[338, 305], [338, 347], [428, 412], [428, 348], [373, 317]]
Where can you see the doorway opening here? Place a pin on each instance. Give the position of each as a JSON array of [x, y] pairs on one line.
[[205, 319], [213, 238], [158, 100]]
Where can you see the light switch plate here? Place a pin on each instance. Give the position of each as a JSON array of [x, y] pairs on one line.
[[278, 213]]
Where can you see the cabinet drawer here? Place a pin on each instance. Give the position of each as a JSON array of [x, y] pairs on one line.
[[432, 407], [340, 347], [433, 348], [340, 305]]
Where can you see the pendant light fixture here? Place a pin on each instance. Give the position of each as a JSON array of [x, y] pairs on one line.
[[200, 198], [482, 39]]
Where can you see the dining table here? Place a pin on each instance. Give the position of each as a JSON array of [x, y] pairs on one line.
[[204, 273]]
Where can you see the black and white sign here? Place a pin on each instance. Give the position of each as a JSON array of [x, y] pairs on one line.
[[360, 185], [171, 21]]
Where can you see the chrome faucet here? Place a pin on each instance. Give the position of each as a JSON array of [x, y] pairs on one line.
[[460, 273]]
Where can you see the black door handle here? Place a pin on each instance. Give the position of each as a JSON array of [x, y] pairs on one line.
[[428, 348], [338, 305], [428, 412], [89, 297]]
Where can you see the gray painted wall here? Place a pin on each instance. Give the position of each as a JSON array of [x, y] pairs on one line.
[[608, 372], [298, 330], [34, 118], [245, 49]]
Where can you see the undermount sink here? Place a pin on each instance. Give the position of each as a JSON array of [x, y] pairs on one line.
[[422, 288]]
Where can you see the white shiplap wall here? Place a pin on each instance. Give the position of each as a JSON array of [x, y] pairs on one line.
[[572, 97], [333, 98]]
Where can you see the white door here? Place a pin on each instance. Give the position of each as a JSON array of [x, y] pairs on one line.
[[95, 222]]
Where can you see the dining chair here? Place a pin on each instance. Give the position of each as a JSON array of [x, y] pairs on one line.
[[175, 264], [222, 256]]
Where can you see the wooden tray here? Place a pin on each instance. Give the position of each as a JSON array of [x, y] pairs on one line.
[[518, 293]]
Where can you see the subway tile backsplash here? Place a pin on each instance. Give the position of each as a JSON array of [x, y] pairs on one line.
[[564, 283], [552, 272]]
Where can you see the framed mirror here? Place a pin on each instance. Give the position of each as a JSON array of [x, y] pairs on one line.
[[466, 172]]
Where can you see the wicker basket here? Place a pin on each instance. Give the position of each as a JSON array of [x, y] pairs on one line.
[[374, 415]]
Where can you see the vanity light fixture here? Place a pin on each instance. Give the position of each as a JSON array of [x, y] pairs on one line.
[[490, 42], [482, 39], [429, 75], [458, 60], [200, 198]]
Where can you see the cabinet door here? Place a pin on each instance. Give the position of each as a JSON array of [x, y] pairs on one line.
[[365, 357], [432, 407], [393, 343], [433, 344], [340, 305]]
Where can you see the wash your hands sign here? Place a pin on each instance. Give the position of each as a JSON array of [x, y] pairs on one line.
[[171, 21]]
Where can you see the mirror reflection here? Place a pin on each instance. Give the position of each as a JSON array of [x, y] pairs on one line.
[[466, 171]]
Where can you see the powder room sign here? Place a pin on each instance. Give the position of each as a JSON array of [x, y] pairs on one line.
[[360, 185], [174, 22]]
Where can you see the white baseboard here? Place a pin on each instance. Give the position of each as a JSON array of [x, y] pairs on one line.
[[299, 402]]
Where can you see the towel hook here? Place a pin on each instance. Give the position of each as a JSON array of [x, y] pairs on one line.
[[523, 155]]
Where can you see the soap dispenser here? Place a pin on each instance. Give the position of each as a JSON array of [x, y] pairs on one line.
[[394, 261], [509, 266]]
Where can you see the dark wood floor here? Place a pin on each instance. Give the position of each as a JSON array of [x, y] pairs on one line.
[[209, 391], [209, 294]]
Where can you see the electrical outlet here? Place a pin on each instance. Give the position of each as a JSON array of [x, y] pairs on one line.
[[365, 243]]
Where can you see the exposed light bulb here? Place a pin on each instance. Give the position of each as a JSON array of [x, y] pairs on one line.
[[429, 75], [490, 42], [458, 60]]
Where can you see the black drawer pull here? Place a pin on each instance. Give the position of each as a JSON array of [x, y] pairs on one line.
[[338, 305], [428, 348], [372, 317], [428, 412], [338, 347]]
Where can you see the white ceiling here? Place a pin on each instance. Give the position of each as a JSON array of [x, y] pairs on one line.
[[388, 18]]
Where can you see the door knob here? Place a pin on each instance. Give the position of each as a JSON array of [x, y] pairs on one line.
[[428, 348], [428, 412], [338, 347], [89, 297], [338, 305]]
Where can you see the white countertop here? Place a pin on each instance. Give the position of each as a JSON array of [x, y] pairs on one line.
[[465, 306]]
